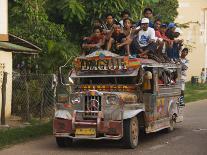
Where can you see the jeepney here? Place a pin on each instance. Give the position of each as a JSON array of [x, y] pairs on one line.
[[115, 97]]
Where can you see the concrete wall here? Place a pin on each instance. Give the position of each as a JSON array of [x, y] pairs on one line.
[[4, 17], [6, 58], [193, 11]]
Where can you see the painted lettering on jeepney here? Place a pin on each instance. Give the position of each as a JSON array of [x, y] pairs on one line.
[[111, 64], [160, 107]]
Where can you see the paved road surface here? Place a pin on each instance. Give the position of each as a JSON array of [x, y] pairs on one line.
[[189, 138]]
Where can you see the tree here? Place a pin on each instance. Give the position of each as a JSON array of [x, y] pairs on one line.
[[166, 10], [28, 19]]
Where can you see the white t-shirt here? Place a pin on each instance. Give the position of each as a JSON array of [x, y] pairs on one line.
[[184, 67], [121, 22], [145, 36]]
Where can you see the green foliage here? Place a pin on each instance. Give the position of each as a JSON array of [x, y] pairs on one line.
[[28, 19], [58, 53], [195, 92], [16, 135], [166, 10]]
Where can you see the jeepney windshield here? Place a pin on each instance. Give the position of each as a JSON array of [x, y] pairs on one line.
[[107, 80]]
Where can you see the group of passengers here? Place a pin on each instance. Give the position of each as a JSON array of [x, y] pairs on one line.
[[144, 39]]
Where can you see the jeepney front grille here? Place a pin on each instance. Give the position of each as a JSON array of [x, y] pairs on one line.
[[88, 105]]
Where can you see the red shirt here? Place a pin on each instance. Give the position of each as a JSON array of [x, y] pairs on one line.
[[95, 39], [163, 36]]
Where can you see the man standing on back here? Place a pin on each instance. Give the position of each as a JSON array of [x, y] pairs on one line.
[[184, 67]]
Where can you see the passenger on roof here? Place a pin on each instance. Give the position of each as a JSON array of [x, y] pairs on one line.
[[162, 41], [97, 23], [108, 26], [147, 14], [109, 22], [124, 15], [118, 42], [173, 33], [94, 42], [144, 42]]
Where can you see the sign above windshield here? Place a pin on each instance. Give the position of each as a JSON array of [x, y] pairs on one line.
[[106, 65]]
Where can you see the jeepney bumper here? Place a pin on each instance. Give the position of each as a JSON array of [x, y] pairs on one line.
[[87, 129]]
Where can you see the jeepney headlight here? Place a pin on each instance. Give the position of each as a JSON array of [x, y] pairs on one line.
[[112, 100], [75, 99]]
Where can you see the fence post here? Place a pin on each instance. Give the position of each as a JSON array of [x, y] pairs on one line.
[[41, 104], [3, 107], [27, 99]]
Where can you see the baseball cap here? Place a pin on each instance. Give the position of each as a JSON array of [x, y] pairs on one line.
[[171, 25], [145, 21], [178, 30], [164, 25]]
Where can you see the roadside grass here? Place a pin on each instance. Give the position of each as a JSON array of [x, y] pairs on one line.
[[195, 92], [15, 135]]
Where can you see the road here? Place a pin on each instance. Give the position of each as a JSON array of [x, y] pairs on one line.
[[189, 138]]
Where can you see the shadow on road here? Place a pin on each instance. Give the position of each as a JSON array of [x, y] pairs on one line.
[[92, 145]]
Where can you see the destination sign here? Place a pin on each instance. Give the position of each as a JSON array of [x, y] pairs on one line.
[[102, 64]]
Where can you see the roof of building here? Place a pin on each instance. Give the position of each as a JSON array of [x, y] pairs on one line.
[[19, 45]]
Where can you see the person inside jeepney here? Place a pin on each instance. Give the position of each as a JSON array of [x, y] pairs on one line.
[[174, 77], [161, 79], [124, 15], [143, 43], [147, 13], [118, 42], [94, 42]]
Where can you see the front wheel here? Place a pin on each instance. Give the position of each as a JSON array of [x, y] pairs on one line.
[[131, 133], [64, 141]]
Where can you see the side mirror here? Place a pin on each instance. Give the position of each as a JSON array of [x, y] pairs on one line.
[[70, 80]]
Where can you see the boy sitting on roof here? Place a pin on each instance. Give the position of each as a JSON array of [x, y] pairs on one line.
[[144, 42], [118, 42], [95, 42]]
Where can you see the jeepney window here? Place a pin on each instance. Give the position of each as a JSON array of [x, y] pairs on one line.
[[167, 77]]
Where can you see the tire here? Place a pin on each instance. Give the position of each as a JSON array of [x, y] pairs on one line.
[[64, 141], [130, 133]]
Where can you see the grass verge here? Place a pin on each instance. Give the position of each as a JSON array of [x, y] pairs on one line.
[[195, 92], [16, 135]]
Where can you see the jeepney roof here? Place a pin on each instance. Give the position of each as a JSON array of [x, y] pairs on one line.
[[108, 64], [153, 63]]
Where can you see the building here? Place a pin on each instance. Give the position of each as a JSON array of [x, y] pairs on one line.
[[9, 45], [194, 13]]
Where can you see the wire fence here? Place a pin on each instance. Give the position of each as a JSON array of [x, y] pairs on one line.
[[33, 96]]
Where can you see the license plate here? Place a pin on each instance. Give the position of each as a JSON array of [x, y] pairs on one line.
[[85, 131]]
